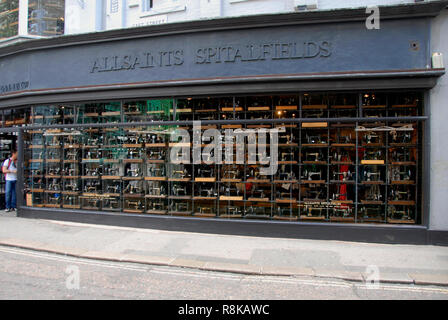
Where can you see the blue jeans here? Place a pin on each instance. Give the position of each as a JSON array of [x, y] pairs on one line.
[[10, 193]]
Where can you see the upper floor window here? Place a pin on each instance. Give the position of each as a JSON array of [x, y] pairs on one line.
[[113, 6], [147, 5]]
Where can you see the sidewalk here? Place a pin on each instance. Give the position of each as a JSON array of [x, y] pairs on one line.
[[408, 264]]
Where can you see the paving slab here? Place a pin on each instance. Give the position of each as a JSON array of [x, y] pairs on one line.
[[231, 267], [286, 271], [187, 263], [135, 258], [339, 274], [430, 279]]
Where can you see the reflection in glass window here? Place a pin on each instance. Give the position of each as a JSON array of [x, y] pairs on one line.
[[46, 18], [9, 18]]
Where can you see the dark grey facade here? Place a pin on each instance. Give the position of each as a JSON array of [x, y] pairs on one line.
[[313, 52]]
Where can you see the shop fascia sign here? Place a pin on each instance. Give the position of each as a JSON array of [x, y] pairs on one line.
[[214, 55]]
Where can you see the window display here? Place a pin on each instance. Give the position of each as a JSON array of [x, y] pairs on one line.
[[340, 157]]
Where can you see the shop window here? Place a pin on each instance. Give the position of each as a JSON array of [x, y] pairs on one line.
[[9, 18], [46, 18], [341, 157]]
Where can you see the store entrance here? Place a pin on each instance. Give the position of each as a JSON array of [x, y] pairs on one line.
[[8, 142]]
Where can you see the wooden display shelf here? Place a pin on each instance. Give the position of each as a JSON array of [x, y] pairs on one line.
[[374, 107], [53, 160], [36, 160], [231, 126], [179, 179], [153, 196], [186, 110], [408, 145], [159, 212], [372, 202], [285, 201], [36, 190], [133, 195], [205, 198], [110, 113], [204, 215], [70, 161], [304, 217], [129, 145], [314, 107], [89, 195], [257, 126], [179, 197], [111, 160], [258, 199], [402, 182], [258, 180], [155, 145], [54, 147], [403, 163], [284, 181], [71, 206], [52, 176], [312, 181], [284, 108], [72, 146], [206, 111], [90, 177], [400, 221], [288, 162], [261, 108], [343, 107], [342, 219], [342, 201], [343, 163], [155, 161], [36, 146], [231, 180], [372, 162], [91, 114], [110, 177], [314, 124], [404, 106], [70, 193], [204, 179], [290, 125], [402, 202], [133, 210], [315, 145], [52, 205], [315, 162], [372, 182], [132, 160], [345, 145], [132, 178], [156, 178], [231, 198], [181, 213], [230, 109], [342, 181], [284, 218], [230, 216], [288, 144], [179, 144]]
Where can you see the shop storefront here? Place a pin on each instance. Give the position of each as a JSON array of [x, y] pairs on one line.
[[340, 111]]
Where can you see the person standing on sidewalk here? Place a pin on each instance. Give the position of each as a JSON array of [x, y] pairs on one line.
[[10, 170]]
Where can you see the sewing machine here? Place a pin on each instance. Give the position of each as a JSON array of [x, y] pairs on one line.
[[371, 137], [179, 190], [257, 193], [346, 175], [205, 210], [72, 186], [287, 176], [343, 212], [344, 139], [111, 203], [339, 156], [402, 137], [285, 138], [401, 155], [373, 155], [70, 200], [93, 154], [374, 193], [229, 190], [310, 174], [314, 156], [232, 210], [314, 139], [368, 175], [134, 153], [180, 174], [400, 195], [261, 211], [132, 108], [206, 192], [399, 214], [154, 138], [133, 204], [131, 189], [71, 155], [156, 171], [133, 172], [397, 175], [231, 174], [156, 190], [205, 173], [156, 154], [111, 171], [180, 207], [370, 212], [92, 172], [158, 206], [287, 156]]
